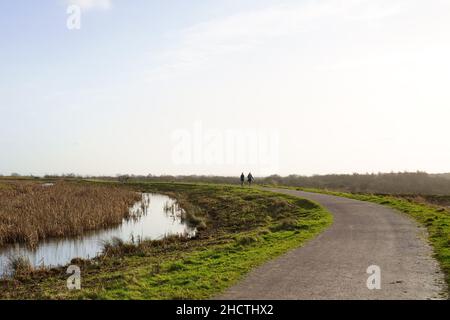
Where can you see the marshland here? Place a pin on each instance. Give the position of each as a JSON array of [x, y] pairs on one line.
[[236, 229], [155, 216], [31, 212]]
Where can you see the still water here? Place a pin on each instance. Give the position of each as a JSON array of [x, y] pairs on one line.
[[154, 217]]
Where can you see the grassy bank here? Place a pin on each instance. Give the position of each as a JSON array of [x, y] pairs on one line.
[[31, 212], [238, 230], [435, 218]]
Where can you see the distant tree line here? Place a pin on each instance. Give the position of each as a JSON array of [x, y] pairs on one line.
[[409, 183], [381, 183]]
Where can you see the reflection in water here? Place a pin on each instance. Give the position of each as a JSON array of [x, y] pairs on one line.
[[155, 217]]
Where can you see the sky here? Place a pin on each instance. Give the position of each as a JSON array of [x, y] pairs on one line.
[[220, 87]]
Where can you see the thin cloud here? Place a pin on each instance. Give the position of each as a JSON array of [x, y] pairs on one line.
[[244, 31], [92, 4]]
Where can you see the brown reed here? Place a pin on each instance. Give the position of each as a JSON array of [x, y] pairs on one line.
[[31, 212]]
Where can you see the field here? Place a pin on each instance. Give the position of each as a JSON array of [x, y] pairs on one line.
[[31, 211], [240, 229]]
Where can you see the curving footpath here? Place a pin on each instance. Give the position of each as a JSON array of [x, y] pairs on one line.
[[334, 265]]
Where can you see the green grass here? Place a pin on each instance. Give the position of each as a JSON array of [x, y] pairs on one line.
[[436, 220], [243, 228]]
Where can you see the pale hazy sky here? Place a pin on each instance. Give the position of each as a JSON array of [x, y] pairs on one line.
[[336, 85]]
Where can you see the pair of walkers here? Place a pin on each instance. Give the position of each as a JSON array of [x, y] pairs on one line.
[[250, 179]]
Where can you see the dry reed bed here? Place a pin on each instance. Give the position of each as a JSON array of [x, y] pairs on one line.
[[31, 212]]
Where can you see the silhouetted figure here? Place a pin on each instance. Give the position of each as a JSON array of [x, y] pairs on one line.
[[242, 179], [250, 179]]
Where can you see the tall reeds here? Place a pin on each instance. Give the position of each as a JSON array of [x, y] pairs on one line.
[[30, 212]]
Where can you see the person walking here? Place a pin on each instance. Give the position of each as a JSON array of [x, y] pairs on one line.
[[250, 178], [242, 179]]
